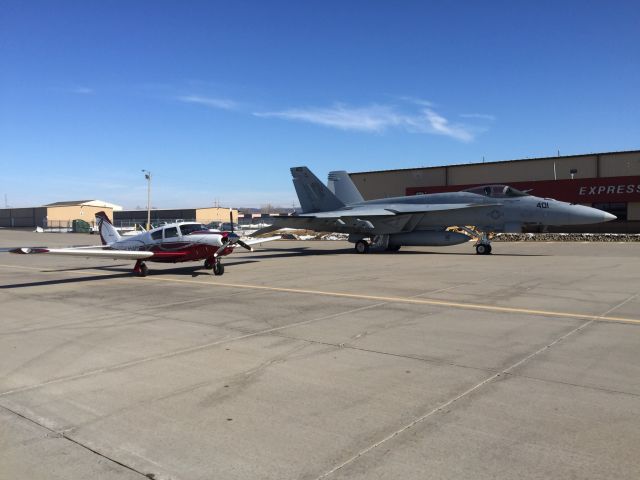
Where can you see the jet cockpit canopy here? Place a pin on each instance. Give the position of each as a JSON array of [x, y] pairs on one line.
[[497, 191]]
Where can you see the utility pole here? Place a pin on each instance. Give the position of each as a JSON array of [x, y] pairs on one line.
[[147, 175]]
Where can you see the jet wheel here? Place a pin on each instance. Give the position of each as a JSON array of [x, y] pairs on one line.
[[483, 249], [362, 246], [218, 268]]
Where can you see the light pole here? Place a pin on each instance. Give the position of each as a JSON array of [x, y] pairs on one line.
[[147, 175]]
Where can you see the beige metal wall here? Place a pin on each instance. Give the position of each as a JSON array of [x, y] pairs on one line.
[[395, 182], [620, 164], [215, 214], [76, 212], [522, 170]]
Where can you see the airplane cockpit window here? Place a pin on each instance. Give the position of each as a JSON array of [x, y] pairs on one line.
[[497, 191], [170, 232], [188, 228], [157, 235]]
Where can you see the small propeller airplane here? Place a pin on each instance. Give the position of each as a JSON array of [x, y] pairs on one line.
[[171, 243]]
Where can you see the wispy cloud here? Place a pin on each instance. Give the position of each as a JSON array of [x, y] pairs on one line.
[[376, 118], [417, 101], [220, 103], [82, 90], [480, 116]]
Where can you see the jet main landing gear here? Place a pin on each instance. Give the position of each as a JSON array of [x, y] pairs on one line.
[[362, 246]]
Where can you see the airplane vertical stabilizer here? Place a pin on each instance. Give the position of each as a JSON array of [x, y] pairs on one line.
[[108, 233], [342, 186], [314, 196]]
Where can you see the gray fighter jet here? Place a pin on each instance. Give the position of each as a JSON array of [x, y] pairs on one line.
[[423, 220]]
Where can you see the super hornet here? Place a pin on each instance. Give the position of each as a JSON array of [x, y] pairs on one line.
[[424, 220]]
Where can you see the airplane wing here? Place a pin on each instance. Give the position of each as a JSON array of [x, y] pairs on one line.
[[86, 252], [396, 209], [261, 240]]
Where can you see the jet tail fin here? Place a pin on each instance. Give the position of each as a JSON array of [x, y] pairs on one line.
[[314, 196], [342, 186], [108, 233]]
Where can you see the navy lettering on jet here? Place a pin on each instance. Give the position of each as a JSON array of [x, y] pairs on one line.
[[543, 205]]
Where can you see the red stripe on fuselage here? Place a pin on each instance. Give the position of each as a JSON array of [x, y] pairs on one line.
[[184, 252]]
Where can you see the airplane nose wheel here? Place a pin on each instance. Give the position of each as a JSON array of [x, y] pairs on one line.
[[483, 249], [218, 268]]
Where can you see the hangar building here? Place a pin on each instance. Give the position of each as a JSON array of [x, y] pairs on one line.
[[55, 215], [125, 218], [609, 181]]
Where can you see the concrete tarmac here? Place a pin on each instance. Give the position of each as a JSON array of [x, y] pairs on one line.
[[307, 361]]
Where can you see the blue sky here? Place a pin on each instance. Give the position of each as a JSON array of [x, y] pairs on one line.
[[219, 99]]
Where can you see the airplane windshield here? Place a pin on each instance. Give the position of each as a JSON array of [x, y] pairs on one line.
[[497, 191], [188, 228]]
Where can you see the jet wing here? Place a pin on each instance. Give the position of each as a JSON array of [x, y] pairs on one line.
[[395, 209], [85, 252], [262, 240]]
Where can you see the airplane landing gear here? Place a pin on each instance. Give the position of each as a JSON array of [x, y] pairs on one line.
[[140, 269], [483, 245], [483, 249], [208, 264], [362, 246], [218, 268]]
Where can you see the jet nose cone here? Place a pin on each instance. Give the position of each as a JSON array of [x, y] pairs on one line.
[[607, 217]]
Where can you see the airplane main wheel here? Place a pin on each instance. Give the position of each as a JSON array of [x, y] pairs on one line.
[[362, 246], [218, 268], [144, 270]]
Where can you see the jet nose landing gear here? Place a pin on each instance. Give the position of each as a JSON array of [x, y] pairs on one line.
[[483, 249]]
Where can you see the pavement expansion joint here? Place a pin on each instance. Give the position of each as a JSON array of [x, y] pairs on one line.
[[452, 401], [54, 434]]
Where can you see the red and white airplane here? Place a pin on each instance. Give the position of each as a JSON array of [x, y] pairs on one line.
[[171, 243]]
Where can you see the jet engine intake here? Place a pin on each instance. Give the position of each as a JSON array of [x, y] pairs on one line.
[[428, 239]]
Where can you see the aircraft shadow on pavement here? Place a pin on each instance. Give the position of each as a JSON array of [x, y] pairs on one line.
[[119, 271], [306, 251], [58, 281]]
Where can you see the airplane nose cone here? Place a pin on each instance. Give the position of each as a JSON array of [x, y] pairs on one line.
[[582, 215]]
